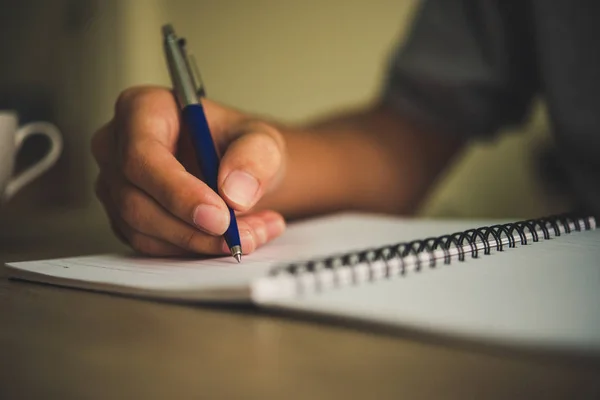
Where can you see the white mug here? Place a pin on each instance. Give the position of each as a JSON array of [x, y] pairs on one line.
[[12, 138]]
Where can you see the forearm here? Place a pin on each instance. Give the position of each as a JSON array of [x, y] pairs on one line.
[[370, 160]]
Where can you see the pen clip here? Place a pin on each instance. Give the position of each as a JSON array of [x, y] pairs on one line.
[[185, 83], [192, 68]]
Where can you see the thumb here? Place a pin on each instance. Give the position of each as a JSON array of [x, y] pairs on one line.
[[251, 166]]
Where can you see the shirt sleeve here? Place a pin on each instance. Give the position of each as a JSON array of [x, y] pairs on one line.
[[467, 67]]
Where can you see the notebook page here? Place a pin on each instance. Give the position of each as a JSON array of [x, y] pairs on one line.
[[546, 294], [190, 278]]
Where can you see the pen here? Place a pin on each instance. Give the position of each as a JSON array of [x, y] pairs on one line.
[[188, 88]]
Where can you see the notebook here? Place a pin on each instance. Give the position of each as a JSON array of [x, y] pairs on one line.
[[532, 283]]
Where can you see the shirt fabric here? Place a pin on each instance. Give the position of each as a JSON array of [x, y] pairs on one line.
[[472, 68]]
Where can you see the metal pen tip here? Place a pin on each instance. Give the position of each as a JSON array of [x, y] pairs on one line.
[[236, 252]]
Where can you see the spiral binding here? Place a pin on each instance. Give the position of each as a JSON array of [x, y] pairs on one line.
[[433, 249]]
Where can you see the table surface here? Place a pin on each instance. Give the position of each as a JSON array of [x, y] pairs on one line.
[[65, 343]]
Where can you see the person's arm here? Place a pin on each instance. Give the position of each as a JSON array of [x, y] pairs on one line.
[[368, 160], [465, 71]]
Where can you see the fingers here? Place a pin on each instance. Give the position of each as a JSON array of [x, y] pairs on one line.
[[252, 164], [265, 225], [137, 216], [150, 167], [140, 242], [258, 229], [146, 244], [155, 200], [146, 130], [152, 230]]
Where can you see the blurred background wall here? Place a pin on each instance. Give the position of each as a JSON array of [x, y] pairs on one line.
[[290, 59]]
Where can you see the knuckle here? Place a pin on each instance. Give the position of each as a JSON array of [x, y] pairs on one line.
[[126, 98], [267, 131], [131, 97], [186, 240], [266, 157], [275, 135], [194, 241]]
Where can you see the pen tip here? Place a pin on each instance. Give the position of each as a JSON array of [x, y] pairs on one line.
[[236, 252]]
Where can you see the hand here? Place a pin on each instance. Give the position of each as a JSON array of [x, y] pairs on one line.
[[150, 186]]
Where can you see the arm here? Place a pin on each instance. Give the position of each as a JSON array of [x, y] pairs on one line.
[[369, 160]]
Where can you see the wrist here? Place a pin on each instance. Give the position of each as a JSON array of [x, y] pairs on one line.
[[311, 180]]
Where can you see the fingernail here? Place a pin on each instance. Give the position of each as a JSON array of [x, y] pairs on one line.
[[240, 187], [211, 219]]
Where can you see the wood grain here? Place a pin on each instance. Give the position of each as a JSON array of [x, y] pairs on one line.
[[64, 343]]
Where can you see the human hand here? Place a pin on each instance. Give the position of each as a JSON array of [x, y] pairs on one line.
[[151, 188]]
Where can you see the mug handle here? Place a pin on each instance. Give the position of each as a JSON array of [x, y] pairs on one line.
[[53, 134]]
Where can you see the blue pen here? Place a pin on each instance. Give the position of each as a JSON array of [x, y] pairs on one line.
[[188, 88]]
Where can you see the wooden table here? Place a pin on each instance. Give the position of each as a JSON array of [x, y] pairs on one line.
[[64, 343]]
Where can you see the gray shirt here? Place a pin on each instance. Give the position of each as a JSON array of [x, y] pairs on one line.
[[472, 67]]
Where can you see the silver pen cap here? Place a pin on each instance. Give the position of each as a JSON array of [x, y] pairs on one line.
[[184, 74]]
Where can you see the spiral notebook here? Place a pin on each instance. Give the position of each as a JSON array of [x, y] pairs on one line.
[[530, 283]]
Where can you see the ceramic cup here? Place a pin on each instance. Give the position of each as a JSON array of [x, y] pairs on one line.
[[12, 137]]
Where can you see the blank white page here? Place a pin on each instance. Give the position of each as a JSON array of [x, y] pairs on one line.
[[222, 278], [546, 294]]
